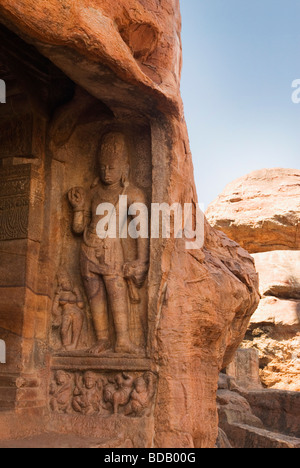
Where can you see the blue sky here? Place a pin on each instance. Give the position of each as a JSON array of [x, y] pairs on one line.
[[240, 59]]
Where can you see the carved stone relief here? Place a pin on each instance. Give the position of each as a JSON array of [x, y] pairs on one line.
[[14, 202], [68, 312], [104, 394], [113, 269]]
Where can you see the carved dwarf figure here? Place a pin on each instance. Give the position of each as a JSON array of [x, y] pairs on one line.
[[88, 395], [141, 396], [118, 393], [112, 268], [61, 391], [68, 312]]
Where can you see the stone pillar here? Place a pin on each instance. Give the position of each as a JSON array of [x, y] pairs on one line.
[[21, 214]]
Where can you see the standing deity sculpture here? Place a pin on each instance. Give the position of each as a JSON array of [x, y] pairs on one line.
[[113, 268]]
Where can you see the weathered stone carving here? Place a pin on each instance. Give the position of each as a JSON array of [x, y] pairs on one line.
[[21, 195], [61, 392], [88, 394], [14, 202], [142, 395], [118, 391], [93, 393], [68, 312], [113, 269]]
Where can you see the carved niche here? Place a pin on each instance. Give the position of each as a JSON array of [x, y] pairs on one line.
[[100, 362], [113, 264], [104, 307]]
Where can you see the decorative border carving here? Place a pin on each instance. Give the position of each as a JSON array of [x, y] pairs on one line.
[[15, 201]]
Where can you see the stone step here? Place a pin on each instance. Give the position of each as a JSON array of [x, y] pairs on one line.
[[253, 437]]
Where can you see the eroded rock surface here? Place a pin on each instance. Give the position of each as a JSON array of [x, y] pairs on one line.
[[261, 211], [275, 327], [279, 273], [89, 69]]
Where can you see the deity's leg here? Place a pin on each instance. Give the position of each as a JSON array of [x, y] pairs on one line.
[[117, 292], [96, 293], [66, 331], [77, 320]]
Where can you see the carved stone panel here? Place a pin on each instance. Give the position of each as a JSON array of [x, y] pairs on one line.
[[14, 202], [105, 312], [20, 137], [102, 393], [68, 315], [20, 194]]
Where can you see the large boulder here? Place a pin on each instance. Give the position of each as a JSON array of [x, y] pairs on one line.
[[279, 273], [261, 210]]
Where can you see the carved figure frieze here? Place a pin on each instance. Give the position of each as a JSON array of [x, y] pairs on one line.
[[87, 396], [106, 394], [61, 390]]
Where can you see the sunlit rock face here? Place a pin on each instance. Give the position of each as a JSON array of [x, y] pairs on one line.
[[262, 212], [132, 358]]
